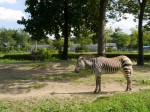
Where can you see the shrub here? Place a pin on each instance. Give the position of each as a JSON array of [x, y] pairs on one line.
[[17, 56], [110, 49], [46, 54], [53, 55], [81, 49]]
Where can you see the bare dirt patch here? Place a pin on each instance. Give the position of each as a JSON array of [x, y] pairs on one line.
[[22, 80]]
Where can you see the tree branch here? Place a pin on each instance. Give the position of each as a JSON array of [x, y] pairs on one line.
[[139, 2]]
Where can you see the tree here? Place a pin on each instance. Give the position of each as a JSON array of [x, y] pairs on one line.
[[84, 39], [45, 20], [66, 31], [140, 60], [6, 37], [101, 27], [58, 45], [71, 17], [121, 39], [22, 38], [134, 35], [146, 37], [13, 38], [137, 8]]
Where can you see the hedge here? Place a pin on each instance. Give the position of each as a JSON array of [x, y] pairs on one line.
[[72, 56], [17, 56]]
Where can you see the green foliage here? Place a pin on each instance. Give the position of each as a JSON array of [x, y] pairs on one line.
[[17, 57], [145, 82], [45, 19], [122, 39], [140, 9], [84, 39], [132, 7], [81, 49], [47, 53], [5, 108], [11, 39], [58, 44], [146, 37], [55, 106], [134, 37], [4, 49], [6, 36], [21, 38], [135, 102], [110, 49]]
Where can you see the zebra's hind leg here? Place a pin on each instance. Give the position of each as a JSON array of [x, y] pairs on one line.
[[98, 84], [128, 88]]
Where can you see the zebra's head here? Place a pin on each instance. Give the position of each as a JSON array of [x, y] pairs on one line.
[[80, 64]]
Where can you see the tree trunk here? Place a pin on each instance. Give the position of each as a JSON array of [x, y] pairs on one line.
[[58, 38], [36, 45], [65, 31], [140, 60], [101, 27]]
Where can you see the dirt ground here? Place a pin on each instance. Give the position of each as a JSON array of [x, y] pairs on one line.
[[22, 80]]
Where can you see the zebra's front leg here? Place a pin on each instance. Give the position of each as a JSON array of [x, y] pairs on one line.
[[98, 84]]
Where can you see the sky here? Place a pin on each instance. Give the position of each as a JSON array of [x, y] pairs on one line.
[[13, 10], [10, 12], [125, 25]]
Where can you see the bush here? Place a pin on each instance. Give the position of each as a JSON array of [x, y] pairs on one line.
[[47, 54], [81, 49], [17, 56], [4, 49], [110, 49]]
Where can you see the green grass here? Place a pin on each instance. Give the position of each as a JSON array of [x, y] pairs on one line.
[[7, 60], [128, 102], [135, 102], [144, 82]]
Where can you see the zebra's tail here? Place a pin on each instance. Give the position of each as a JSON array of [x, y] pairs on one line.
[[126, 61], [127, 64]]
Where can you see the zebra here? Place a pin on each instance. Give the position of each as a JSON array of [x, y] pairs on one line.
[[35, 55], [103, 65]]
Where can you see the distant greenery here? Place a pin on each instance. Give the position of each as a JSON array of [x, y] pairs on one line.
[[52, 55], [19, 41]]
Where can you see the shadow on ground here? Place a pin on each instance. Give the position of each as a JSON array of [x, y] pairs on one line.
[[22, 77]]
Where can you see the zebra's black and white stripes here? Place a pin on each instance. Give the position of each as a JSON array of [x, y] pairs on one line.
[[102, 65]]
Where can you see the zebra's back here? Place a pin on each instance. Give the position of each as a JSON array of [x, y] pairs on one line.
[[112, 65]]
